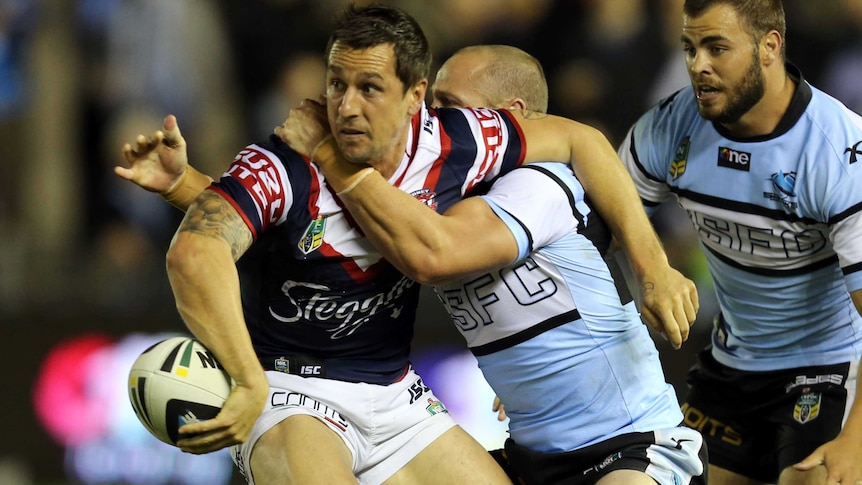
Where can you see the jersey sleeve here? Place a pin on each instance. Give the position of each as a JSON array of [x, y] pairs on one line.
[[835, 178], [644, 153], [258, 186], [532, 203], [489, 141], [844, 212]]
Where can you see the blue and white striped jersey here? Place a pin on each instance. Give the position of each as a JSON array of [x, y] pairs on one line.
[[557, 334], [778, 218]]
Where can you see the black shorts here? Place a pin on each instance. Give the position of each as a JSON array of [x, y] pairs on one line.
[[674, 456], [759, 423]]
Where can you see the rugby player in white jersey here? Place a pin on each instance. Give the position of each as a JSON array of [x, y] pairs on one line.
[[311, 293], [524, 272], [766, 166]]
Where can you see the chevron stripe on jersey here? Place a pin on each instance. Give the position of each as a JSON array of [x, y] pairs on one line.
[[312, 284], [779, 217]]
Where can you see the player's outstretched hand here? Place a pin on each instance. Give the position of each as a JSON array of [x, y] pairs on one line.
[[231, 427], [158, 162], [499, 409], [305, 127], [842, 458], [669, 303]]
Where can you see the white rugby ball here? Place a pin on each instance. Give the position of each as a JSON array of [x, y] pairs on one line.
[[175, 382]]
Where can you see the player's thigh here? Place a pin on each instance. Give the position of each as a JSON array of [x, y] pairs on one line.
[[454, 457], [301, 450], [626, 477], [791, 476], [720, 476]]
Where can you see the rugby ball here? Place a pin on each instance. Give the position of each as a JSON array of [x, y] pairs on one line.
[[175, 382]]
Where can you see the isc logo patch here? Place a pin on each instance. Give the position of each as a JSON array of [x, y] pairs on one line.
[[734, 159]]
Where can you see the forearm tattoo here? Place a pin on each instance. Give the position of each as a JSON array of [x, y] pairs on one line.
[[212, 216]]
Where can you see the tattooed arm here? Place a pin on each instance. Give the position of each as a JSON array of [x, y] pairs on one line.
[[203, 275]]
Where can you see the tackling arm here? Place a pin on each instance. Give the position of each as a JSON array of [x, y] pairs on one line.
[[669, 300], [429, 247]]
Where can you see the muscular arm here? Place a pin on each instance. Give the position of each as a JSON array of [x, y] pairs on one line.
[[669, 300], [202, 272], [605, 178], [429, 247]]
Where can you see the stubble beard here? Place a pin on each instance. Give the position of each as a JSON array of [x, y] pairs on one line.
[[741, 98]]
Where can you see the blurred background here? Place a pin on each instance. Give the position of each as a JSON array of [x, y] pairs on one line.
[[82, 282]]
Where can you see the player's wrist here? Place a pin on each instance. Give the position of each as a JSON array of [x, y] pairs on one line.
[[355, 181], [186, 188]]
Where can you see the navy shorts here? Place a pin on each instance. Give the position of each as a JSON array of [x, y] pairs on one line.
[[758, 423]]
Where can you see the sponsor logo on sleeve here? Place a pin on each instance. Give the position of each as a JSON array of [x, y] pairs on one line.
[[854, 152]]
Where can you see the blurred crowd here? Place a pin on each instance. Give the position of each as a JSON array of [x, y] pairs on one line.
[[78, 78]]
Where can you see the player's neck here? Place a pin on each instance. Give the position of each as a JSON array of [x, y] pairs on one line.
[[764, 117], [388, 164]]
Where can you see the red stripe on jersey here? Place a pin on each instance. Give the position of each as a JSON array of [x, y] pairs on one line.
[[411, 154], [437, 166], [514, 121], [259, 174], [356, 273], [236, 206], [491, 137], [353, 269], [314, 190]]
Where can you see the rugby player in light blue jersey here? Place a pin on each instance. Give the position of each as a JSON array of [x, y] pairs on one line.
[[767, 168], [525, 275]]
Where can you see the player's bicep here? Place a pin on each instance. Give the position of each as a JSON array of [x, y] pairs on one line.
[[552, 138], [481, 240], [211, 215]]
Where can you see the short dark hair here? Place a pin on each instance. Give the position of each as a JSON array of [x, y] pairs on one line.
[[760, 16], [373, 25]]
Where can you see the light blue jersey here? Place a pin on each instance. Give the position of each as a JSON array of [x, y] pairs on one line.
[[778, 218], [556, 334]]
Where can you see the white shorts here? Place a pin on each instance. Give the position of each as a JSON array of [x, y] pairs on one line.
[[384, 427]]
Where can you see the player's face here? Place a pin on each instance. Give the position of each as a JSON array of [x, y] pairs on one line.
[[369, 112], [455, 85], [723, 64]]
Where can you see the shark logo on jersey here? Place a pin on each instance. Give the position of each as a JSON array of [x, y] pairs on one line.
[[784, 189], [854, 151], [737, 160], [313, 237], [426, 196], [807, 407], [677, 166]]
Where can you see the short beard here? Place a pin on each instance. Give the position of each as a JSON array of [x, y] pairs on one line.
[[742, 98]]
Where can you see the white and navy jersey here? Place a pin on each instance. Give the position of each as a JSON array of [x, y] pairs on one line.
[[318, 298], [557, 334], [778, 218]]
